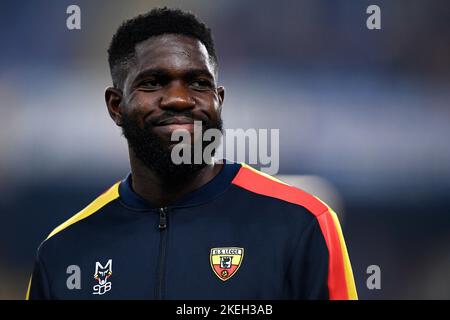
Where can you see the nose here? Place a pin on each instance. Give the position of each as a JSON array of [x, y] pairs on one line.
[[177, 97]]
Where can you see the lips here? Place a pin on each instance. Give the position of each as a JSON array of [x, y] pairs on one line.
[[169, 125], [176, 121]]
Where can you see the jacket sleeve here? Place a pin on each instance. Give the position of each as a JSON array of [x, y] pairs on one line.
[[38, 286], [340, 281], [308, 270], [321, 267]]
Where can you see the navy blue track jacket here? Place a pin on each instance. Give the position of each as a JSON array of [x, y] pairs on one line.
[[243, 235]]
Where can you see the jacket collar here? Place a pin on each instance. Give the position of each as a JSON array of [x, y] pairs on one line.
[[205, 193]]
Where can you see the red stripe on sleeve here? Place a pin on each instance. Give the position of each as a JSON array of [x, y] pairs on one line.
[[337, 284]]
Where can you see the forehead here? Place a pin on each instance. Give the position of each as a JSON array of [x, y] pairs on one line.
[[172, 52]]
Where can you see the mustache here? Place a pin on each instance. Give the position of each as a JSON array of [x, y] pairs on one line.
[[168, 115]]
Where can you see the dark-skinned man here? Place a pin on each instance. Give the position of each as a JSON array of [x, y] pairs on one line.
[[197, 230]]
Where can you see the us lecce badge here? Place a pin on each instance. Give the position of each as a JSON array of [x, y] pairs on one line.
[[225, 262]]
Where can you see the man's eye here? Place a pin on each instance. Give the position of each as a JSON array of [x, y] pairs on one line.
[[201, 84], [151, 84]]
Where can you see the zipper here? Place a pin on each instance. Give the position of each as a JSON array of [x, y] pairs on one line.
[[162, 252], [162, 218]]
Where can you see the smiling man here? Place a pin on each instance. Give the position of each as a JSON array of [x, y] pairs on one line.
[[208, 230]]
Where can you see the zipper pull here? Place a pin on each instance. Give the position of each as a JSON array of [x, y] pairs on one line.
[[162, 218]]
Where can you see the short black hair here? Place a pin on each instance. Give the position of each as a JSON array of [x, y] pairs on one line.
[[156, 22]]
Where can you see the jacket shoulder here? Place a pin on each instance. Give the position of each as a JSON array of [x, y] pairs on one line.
[[260, 183], [102, 200]]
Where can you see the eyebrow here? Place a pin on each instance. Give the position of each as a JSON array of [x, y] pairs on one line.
[[162, 73]]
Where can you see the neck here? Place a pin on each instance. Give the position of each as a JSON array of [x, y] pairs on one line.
[[158, 191]]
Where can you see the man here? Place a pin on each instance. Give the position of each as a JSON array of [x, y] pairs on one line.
[[209, 230]]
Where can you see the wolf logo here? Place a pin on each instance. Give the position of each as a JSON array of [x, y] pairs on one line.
[[102, 274]]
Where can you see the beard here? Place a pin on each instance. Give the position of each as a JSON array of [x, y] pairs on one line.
[[155, 152]]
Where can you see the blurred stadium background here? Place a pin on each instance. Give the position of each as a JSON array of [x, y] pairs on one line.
[[362, 114]]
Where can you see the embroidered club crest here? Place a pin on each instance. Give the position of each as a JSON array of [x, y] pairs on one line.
[[225, 262]]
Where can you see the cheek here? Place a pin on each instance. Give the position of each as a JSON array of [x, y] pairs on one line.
[[137, 106], [142, 102], [210, 102]]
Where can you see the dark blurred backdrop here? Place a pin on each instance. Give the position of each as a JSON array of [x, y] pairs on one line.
[[367, 111]]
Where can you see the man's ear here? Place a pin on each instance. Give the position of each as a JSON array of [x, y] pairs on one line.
[[221, 95], [113, 99]]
